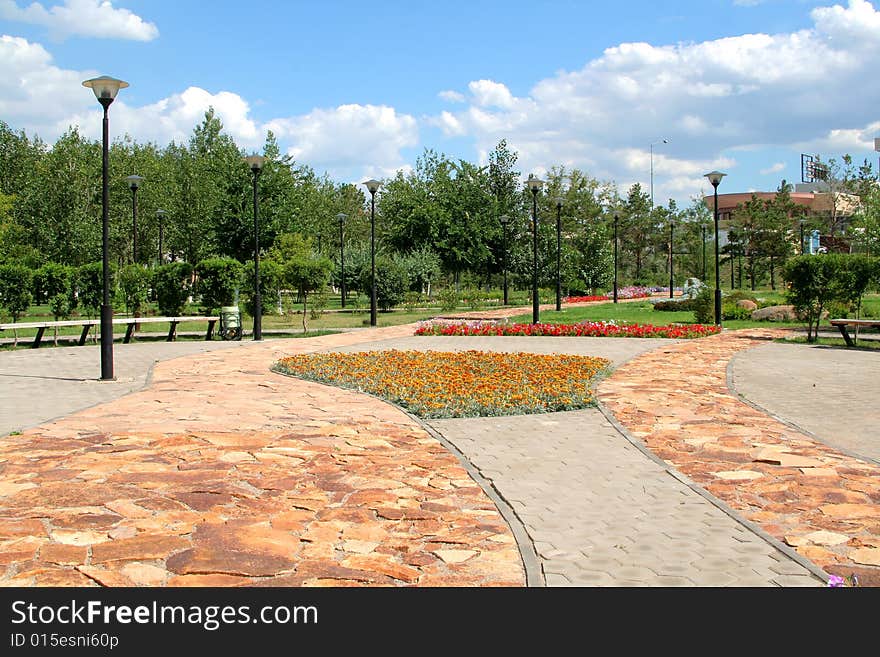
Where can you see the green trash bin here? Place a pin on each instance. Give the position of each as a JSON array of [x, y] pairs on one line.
[[230, 323]]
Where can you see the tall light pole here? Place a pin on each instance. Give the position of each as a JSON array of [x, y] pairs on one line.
[[534, 185], [616, 219], [160, 216], [559, 202], [105, 89], [373, 187], [671, 238], [504, 219], [715, 178], [703, 235], [664, 141], [134, 182], [255, 162], [342, 217]]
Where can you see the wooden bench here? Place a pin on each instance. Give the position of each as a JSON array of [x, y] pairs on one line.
[[129, 322], [842, 325]]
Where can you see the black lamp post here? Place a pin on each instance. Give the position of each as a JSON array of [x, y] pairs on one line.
[[373, 187], [616, 219], [504, 219], [534, 185], [134, 182], [559, 202], [715, 178], [105, 89], [255, 162], [703, 235], [342, 217], [160, 216], [671, 237]]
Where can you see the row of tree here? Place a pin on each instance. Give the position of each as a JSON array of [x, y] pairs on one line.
[[442, 211]]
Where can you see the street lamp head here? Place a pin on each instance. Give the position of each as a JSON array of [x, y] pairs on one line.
[[559, 201], [372, 185], [342, 217], [105, 88], [255, 162], [534, 184], [504, 219], [715, 178], [134, 181]]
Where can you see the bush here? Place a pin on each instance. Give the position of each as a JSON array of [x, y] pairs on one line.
[[472, 298], [90, 286], [732, 311], [218, 279], [411, 301], [448, 299], [52, 279], [704, 306], [676, 305], [134, 287], [15, 289], [173, 286]]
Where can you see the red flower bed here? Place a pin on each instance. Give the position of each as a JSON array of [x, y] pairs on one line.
[[598, 297], [582, 329]]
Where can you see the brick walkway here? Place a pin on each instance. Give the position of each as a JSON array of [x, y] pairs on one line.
[[822, 502]]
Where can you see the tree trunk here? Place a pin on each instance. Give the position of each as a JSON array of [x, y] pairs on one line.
[[772, 274], [305, 315]]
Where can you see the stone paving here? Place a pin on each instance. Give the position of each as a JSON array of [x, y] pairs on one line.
[[221, 473], [815, 498]]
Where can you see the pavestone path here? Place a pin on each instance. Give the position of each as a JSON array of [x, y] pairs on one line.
[[813, 497], [222, 473]]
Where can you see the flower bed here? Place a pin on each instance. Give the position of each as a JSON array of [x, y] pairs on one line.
[[434, 384], [581, 329], [598, 297], [630, 292]]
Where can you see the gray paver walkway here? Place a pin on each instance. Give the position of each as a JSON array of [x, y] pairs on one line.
[[831, 393]]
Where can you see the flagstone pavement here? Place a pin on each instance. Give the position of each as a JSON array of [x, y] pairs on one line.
[[221, 473]]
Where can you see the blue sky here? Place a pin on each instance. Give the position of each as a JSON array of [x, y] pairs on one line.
[[744, 86]]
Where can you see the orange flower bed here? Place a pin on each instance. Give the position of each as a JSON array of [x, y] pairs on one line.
[[436, 384]]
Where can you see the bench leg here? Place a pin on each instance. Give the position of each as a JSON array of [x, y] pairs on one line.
[[84, 334], [845, 334], [210, 333], [38, 337], [128, 333], [172, 332]]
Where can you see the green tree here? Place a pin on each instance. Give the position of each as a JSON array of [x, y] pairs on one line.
[[15, 290], [90, 286], [301, 268]]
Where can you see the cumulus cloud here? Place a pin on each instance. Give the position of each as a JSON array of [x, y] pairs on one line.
[[747, 91], [88, 18], [776, 168], [452, 96]]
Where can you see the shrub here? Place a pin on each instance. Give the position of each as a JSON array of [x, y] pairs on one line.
[[90, 286], [134, 287], [704, 306], [676, 305], [472, 298], [173, 285], [15, 289], [732, 311], [52, 279], [448, 299], [218, 279], [411, 301]]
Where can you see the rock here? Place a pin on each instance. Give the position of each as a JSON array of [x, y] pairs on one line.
[[775, 314], [747, 304]]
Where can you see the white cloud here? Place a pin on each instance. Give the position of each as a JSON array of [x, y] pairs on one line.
[[452, 96], [776, 168], [88, 18], [750, 91], [348, 139]]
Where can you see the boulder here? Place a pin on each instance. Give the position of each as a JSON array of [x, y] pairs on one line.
[[775, 314], [747, 304]]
